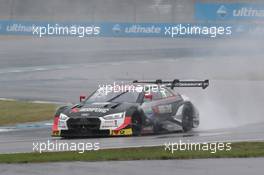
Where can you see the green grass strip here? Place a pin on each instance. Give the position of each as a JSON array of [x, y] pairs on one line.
[[13, 112], [240, 149]]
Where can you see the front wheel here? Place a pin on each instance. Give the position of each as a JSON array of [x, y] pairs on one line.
[[156, 128], [136, 126]]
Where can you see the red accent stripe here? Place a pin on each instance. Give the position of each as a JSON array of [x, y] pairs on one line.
[[125, 124], [55, 123], [74, 110]]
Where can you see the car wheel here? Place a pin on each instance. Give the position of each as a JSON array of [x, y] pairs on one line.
[[136, 126], [156, 128], [187, 121]]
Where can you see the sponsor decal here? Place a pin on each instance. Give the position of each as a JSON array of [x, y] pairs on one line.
[[19, 28], [111, 124], [163, 109], [121, 132], [116, 28], [115, 124], [62, 122], [229, 11], [100, 110], [143, 29], [222, 11], [106, 124]]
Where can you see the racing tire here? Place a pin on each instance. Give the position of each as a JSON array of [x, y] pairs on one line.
[[136, 126], [187, 120], [156, 128]]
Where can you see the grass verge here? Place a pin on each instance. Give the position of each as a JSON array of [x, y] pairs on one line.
[[12, 112], [239, 150]]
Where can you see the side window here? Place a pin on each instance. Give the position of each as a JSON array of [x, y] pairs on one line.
[[156, 95], [165, 93]]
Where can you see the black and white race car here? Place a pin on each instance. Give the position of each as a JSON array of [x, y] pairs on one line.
[[131, 109]]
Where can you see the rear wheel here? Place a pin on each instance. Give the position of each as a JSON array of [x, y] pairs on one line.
[[187, 120], [136, 125]]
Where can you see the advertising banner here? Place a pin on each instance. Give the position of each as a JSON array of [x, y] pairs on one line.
[[86, 29], [229, 11], [112, 29]]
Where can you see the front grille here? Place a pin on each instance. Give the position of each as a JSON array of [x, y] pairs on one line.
[[84, 123]]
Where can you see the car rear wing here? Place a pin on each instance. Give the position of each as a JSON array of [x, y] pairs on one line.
[[178, 83]]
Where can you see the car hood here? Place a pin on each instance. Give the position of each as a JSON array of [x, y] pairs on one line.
[[96, 109]]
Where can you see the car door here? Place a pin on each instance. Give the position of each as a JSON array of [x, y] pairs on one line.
[[160, 107]]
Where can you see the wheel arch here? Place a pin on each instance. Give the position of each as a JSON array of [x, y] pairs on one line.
[[189, 115], [60, 109], [135, 111]]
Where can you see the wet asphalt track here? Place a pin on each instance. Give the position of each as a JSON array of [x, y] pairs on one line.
[[22, 141], [246, 166], [59, 69]]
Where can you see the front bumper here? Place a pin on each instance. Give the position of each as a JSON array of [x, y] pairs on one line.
[[92, 133], [90, 127]]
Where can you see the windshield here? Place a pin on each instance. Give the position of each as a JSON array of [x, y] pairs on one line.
[[119, 97]]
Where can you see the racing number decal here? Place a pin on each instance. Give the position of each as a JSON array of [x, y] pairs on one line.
[[122, 132], [165, 109]]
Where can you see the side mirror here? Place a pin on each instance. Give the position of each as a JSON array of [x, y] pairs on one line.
[[82, 98], [148, 97]]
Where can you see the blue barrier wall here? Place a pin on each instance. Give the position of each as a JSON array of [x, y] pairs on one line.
[[136, 11], [229, 11], [129, 18], [111, 29]]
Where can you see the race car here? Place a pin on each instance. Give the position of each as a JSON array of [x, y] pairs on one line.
[[129, 109]]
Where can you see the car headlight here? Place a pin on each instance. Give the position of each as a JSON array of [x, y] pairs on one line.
[[63, 117], [114, 116], [62, 124]]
